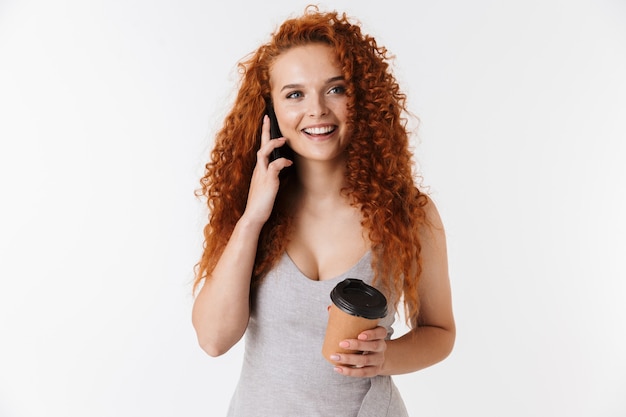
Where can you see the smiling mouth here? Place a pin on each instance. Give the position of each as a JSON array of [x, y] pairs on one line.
[[319, 131]]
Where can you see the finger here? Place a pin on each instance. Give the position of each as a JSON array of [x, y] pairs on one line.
[[357, 360], [265, 130], [373, 334], [377, 345], [278, 164], [356, 372], [266, 149]]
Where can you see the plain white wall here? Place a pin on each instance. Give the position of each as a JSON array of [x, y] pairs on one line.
[[106, 115]]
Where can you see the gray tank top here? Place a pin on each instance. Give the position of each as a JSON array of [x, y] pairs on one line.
[[284, 373]]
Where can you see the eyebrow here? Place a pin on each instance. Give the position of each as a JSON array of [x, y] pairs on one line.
[[328, 81]]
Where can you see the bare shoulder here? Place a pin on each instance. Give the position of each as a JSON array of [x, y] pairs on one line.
[[433, 228]]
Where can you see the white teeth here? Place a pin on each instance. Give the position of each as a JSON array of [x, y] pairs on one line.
[[319, 130]]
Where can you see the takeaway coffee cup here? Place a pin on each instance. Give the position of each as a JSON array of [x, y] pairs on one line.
[[356, 307]]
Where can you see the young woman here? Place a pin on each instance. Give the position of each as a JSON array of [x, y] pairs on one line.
[[283, 232]]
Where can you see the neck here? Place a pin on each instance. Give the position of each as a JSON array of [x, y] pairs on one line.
[[321, 181]]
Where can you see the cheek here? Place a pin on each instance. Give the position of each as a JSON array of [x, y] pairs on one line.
[[289, 120], [341, 110]]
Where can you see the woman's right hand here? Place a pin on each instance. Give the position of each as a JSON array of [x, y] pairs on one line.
[[265, 181], [229, 286]]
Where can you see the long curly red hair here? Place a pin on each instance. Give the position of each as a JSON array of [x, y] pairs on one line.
[[380, 178]]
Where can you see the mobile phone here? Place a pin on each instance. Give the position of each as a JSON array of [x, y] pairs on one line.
[[284, 151]]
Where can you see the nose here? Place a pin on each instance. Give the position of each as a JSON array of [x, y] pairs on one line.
[[317, 106]]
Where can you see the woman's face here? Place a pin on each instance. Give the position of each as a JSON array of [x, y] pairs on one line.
[[308, 92]]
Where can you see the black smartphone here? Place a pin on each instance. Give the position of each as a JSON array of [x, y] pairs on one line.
[[284, 151]]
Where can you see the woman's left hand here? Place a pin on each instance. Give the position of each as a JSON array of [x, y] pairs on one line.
[[370, 362]]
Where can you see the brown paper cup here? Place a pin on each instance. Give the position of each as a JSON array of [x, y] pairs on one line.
[[356, 307], [342, 326]]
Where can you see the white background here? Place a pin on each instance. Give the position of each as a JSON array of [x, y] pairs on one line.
[[107, 109]]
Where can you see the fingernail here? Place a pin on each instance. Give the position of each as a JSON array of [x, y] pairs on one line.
[[334, 357], [362, 336], [338, 370], [344, 344]]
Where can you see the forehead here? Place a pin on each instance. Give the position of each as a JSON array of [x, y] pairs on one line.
[[305, 62]]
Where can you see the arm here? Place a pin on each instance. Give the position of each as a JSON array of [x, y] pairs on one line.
[[432, 339], [222, 307]]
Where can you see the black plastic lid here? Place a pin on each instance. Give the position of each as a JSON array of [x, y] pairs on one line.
[[359, 299]]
